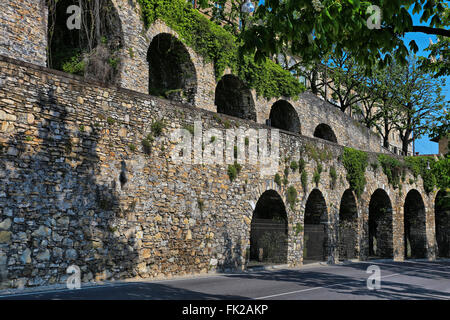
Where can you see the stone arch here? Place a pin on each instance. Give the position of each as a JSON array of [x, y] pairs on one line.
[[234, 98], [95, 55], [380, 225], [442, 223], [414, 226], [284, 116], [324, 131], [172, 73], [315, 247], [269, 230], [348, 227]]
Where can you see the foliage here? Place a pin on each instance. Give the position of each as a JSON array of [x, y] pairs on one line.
[[132, 147], [392, 168], [319, 168], [355, 163], [304, 180], [90, 51], [333, 176], [277, 179], [310, 31], [317, 155], [75, 65], [292, 196], [221, 47], [147, 143], [316, 177], [298, 228], [157, 127], [294, 165], [301, 165], [190, 128], [232, 172], [439, 61], [110, 120], [441, 170]]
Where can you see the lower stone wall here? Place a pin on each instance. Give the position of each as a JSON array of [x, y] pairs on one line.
[[79, 188]]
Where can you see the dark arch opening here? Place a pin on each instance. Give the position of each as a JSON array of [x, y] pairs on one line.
[[442, 221], [284, 116], [414, 226], [380, 225], [324, 131], [315, 241], [348, 227], [172, 73], [93, 51], [234, 98], [269, 233]]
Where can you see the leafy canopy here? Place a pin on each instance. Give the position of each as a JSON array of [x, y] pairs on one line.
[[311, 29]]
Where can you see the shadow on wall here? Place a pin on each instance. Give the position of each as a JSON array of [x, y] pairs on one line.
[[233, 255], [59, 214]]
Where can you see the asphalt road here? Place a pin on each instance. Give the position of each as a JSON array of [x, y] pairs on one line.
[[399, 280]]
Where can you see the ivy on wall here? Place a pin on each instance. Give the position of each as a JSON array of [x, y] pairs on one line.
[[355, 162], [220, 47]]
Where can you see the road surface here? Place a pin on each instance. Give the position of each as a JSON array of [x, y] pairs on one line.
[[399, 280]]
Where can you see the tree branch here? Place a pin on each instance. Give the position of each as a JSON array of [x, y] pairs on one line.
[[430, 30]]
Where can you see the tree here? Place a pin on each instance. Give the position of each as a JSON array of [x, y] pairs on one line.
[[226, 12], [311, 29], [344, 78], [387, 113], [441, 126], [420, 97]]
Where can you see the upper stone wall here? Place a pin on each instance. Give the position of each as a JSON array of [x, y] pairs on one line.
[[23, 30]]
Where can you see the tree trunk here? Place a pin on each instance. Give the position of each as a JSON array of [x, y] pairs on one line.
[[406, 141]]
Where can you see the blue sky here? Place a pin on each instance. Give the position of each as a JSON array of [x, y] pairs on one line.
[[423, 145]]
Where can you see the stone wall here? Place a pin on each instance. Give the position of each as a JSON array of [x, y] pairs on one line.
[[313, 111], [23, 30], [79, 188]]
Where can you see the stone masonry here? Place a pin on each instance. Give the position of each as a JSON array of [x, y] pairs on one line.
[[78, 188]]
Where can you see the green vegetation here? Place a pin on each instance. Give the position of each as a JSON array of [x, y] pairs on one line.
[[201, 205], [157, 127], [355, 163], [234, 170], [316, 154], [277, 179], [301, 165], [333, 176], [132, 147], [110, 121], [316, 177], [294, 166], [298, 228], [304, 180], [217, 45], [189, 127], [392, 169], [292, 196], [147, 143], [75, 65]]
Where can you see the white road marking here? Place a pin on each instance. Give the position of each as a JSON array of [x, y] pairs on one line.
[[316, 288]]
